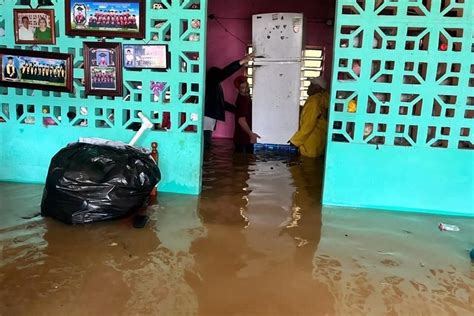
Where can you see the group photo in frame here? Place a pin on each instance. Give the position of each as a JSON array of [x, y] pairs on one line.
[[106, 18], [151, 56], [34, 26], [36, 70], [103, 68]]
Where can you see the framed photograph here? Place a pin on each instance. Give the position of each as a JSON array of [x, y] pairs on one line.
[[36, 70], [103, 68], [145, 56], [106, 18], [34, 26]]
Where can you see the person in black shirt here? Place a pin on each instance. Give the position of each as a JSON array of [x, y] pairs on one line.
[[244, 137], [215, 104]]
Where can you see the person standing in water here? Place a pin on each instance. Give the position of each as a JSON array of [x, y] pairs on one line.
[[215, 105], [311, 136], [244, 137]]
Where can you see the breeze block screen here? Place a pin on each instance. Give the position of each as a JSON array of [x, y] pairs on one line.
[[35, 124], [401, 131]]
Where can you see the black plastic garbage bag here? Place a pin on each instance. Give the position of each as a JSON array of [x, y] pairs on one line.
[[90, 182]]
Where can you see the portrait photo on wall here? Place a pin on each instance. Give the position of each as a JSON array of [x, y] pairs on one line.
[[145, 56], [34, 26], [36, 70], [103, 68], [106, 18]]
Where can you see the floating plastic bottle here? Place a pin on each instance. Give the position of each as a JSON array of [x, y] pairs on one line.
[[448, 228]]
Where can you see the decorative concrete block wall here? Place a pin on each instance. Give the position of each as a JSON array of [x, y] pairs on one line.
[[401, 130], [28, 142]]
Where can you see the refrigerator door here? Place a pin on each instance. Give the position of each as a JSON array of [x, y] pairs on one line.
[[278, 35], [275, 104]]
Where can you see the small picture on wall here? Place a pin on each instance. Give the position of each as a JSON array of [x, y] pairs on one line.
[[106, 18], [103, 69], [145, 56], [36, 70], [34, 26]]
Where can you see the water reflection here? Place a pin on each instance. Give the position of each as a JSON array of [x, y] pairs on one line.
[[395, 263], [104, 268], [158, 282], [263, 223], [255, 242]]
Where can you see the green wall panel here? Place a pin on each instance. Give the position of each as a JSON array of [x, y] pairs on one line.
[[401, 180], [408, 66], [28, 144]]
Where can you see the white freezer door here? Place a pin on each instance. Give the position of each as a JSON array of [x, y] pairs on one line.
[[278, 35], [275, 103]]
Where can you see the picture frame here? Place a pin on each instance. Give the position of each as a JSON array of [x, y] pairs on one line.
[[103, 68], [106, 18], [145, 56], [36, 70], [34, 26]]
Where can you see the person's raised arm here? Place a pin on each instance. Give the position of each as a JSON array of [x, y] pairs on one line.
[[247, 58], [232, 68]]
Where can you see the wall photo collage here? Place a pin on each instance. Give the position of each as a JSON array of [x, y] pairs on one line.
[[103, 61]]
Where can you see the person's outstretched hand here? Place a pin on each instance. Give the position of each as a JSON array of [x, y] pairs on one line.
[[247, 58], [253, 138]]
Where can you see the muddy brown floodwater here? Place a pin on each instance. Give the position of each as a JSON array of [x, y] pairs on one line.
[[256, 242]]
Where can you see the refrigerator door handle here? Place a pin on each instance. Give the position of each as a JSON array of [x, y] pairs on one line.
[[266, 63]]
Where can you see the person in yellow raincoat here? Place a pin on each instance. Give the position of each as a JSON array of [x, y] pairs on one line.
[[311, 136]]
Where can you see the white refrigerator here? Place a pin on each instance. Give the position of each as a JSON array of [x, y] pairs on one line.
[[277, 40]]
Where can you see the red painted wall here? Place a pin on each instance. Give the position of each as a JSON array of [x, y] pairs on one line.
[[236, 16]]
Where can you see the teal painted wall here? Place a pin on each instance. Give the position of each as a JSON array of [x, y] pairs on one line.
[[28, 145], [408, 66]]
